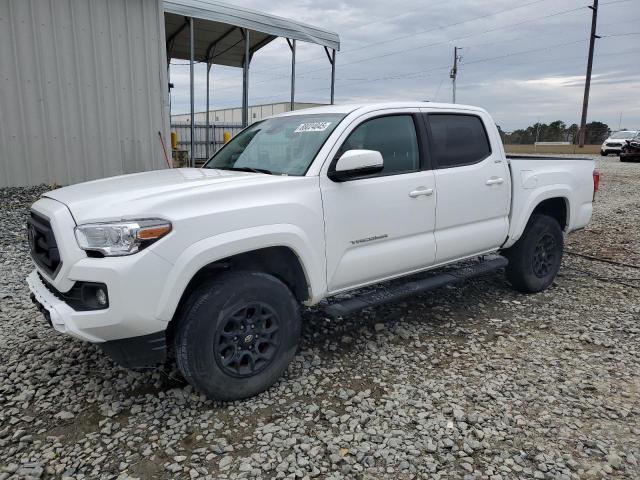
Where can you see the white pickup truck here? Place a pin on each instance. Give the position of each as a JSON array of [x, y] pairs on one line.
[[212, 264]]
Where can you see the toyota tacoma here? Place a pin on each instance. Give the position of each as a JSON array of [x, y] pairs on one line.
[[212, 264]]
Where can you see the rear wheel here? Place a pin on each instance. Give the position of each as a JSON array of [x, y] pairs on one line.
[[534, 260], [238, 335]]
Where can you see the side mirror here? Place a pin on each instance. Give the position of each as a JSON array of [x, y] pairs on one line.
[[355, 164]]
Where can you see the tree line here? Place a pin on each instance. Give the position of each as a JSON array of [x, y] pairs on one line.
[[558, 131]]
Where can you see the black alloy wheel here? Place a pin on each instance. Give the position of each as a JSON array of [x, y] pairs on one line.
[[544, 257], [248, 339]]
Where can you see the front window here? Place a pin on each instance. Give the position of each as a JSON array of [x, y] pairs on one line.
[[394, 136], [280, 146], [626, 135]]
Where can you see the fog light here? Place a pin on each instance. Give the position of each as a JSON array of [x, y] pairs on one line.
[[101, 297]]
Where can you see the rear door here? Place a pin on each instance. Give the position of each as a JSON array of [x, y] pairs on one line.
[[472, 183], [382, 225]]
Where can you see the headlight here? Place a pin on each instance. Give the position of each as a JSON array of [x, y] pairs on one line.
[[121, 238]]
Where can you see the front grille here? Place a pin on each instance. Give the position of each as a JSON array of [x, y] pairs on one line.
[[614, 144], [42, 243]]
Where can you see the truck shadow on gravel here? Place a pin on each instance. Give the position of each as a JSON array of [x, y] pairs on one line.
[[446, 311]]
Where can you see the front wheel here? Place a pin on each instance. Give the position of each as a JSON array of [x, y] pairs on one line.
[[534, 260], [238, 334]]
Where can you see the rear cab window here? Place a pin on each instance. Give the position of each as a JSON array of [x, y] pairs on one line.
[[456, 139]]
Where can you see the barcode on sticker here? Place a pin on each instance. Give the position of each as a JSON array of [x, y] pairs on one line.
[[312, 127]]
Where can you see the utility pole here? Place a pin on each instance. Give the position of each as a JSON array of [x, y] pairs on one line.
[[454, 71], [587, 83]]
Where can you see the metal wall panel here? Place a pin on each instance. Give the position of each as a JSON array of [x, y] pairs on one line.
[[234, 115], [216, 137], [84, 89]]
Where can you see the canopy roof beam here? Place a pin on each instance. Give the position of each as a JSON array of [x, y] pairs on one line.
[[172, 37], [230, 35]]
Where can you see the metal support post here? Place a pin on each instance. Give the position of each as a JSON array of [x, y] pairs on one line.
[[245, 79], [207, 114], [292, 46], [191, 82], [333, 75], [332, 61]]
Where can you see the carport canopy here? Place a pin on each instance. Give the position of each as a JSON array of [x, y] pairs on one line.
[[217, 33]]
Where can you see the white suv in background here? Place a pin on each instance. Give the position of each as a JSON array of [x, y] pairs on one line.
[[614, 143]]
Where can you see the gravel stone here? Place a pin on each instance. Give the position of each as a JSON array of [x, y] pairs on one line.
[[473, 381]]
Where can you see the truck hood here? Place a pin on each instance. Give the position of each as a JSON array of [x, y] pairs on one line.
[[124, 196]]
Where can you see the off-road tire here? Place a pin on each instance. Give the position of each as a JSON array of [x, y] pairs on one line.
[[200, 342], [534, 260]]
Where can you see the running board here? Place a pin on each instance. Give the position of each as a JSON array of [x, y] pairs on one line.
[[396, 292]]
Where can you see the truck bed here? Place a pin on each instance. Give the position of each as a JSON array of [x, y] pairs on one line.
[[543, 157], [536, 177]]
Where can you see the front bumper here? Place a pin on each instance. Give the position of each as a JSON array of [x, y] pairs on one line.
[[611, 148], [630, 156], [130, 352]]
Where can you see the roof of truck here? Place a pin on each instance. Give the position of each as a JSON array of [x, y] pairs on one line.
[[365, 107]]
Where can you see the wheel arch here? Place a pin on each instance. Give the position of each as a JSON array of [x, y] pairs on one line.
[[278, 261], [288, 255], [554, 202], [554, 207]]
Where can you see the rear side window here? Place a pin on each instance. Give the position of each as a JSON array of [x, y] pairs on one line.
[[394, 136], [457, 139]]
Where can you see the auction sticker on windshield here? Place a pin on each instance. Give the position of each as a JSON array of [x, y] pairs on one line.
[[312, 127]]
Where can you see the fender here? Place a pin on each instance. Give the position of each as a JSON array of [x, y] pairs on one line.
[[232, 243], [521, 213]]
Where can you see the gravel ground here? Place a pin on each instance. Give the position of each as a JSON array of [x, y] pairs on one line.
[[472, 381]]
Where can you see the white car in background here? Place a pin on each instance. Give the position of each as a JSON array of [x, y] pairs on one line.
[[614, 143]]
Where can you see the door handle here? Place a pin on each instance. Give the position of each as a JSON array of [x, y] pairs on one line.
[[495, 181], [427, 192]]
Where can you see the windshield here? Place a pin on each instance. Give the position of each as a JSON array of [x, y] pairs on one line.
[[281, 145], [626, 135]]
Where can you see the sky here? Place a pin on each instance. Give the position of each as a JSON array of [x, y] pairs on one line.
[[523, 61]]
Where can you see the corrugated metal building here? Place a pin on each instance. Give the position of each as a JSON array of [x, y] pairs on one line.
[[234, 115], [84, 89]]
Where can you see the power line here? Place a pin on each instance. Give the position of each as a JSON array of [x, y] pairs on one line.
[[620, 35], [420, 72], [445, 69], [615, 1], [454, 39], [455, 24], [441, 42], [413, 74], [430, 30]]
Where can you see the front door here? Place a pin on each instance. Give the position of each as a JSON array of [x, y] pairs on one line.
[[382, 225]]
